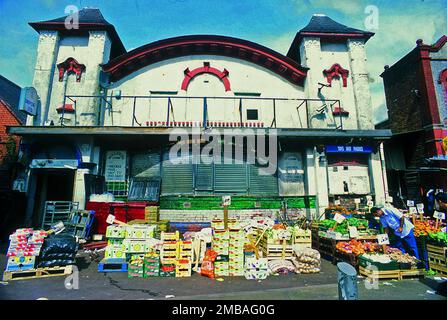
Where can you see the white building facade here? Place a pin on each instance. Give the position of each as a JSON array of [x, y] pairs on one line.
[[108, 114]]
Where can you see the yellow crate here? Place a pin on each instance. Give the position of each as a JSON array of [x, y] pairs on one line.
[[185, 245], [217, 224], [170, 245], [170, 236], [183, 273], [152, 209]]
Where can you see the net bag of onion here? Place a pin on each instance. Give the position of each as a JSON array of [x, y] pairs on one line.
[[307, 260]]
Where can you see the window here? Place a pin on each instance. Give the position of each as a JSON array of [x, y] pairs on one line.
[[252, 114], [144, 189]]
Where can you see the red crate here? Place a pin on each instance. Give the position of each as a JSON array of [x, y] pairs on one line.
[[135, 210], [102, 210]]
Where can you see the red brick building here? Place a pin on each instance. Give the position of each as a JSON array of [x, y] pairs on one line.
[[9, 116], [416, 98]]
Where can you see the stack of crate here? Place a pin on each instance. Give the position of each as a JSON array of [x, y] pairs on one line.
[[24, 247], [169, 253], [221, 266], [220, 242], [185, 249], [236, 252], [152, 214], [137, 238], [135, 268], [183, 268], [116, 248], [151, 265]]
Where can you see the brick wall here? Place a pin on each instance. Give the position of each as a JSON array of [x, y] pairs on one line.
[[405, 109], [7, 118]]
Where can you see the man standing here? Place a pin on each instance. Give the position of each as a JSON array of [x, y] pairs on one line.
[[391, 218]]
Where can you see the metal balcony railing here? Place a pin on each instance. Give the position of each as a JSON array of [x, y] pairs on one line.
[[184, 111]]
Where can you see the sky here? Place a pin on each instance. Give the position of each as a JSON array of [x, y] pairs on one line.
[[273, 23]]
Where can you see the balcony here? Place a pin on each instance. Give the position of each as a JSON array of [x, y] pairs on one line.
[[168, 111]]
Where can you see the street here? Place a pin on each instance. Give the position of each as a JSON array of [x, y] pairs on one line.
[[93, 285]]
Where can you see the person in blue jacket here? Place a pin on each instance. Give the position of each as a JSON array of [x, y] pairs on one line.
[[391, 218]]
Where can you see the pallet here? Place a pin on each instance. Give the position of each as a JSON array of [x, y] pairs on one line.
[[412, 273], [389, 274], [37, 273], [397, 274], [112, 265]]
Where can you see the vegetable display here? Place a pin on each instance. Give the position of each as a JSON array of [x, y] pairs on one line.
[[307, 260], [399, 256], [343, 227], [439, 238], [382, 258]]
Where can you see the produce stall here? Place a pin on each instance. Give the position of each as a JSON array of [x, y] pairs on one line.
[[253, 248], [345, 236]]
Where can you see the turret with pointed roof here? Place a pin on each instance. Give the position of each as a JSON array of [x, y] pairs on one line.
[[89, 19], [324, 27]]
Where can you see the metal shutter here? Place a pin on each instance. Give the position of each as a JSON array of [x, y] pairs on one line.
[[145, 165], [262, 184], [230, 178], [176, 178]]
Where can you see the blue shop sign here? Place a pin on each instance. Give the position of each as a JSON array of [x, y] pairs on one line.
[[348, 149]]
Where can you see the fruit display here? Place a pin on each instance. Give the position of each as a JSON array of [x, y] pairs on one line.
[[423, 228], [356, 247]]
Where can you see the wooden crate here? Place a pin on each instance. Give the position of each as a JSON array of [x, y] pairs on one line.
[[37, 273], [303, 237], [276, 250], [437, 250], [437, 258], [442, 269]]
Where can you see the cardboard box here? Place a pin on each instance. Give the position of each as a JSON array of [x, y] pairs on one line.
[[136, 246], [116, 231], [20, 263], [256, 274], [253, 263]]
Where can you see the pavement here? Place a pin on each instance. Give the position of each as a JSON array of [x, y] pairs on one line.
[[92, 285]]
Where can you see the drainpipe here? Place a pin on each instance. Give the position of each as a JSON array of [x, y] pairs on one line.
[[317, 206], [383, 166]]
